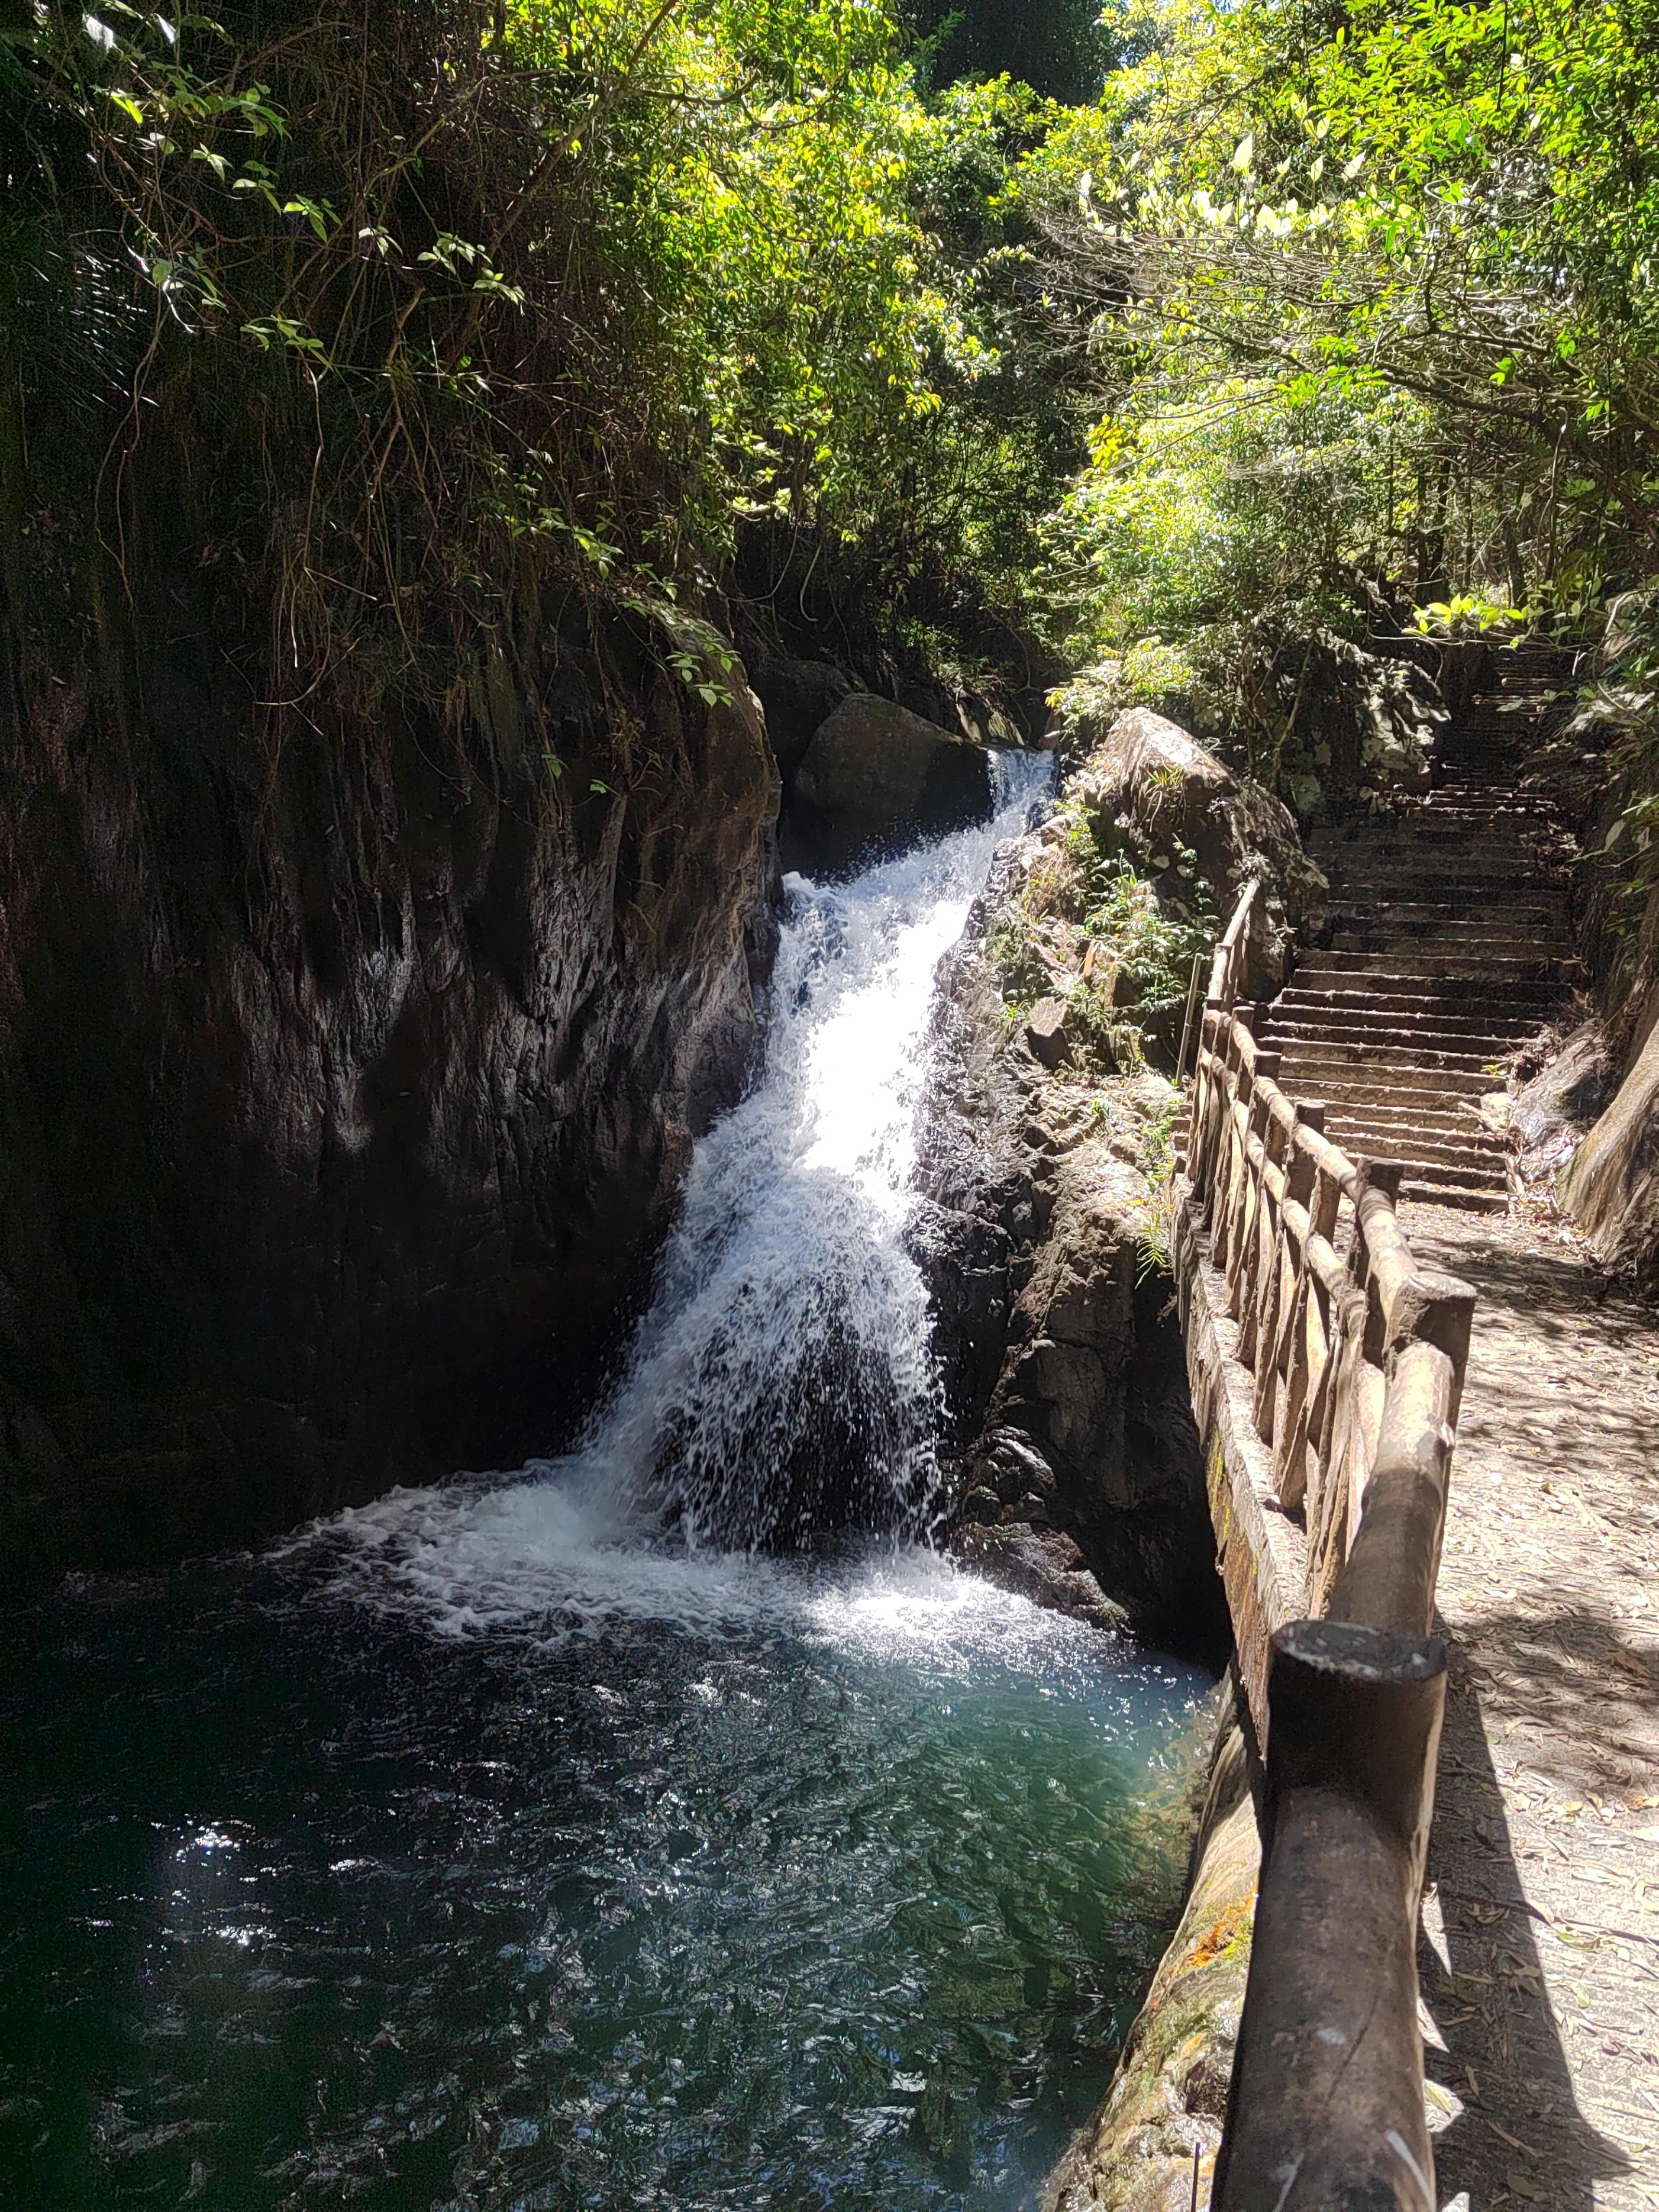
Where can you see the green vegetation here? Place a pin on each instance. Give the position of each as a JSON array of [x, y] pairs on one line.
[[1373, 303], [432, 302], [1112, 927], [1178, 346]]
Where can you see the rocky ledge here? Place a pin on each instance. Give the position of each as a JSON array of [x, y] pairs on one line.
[[1075, 1474]]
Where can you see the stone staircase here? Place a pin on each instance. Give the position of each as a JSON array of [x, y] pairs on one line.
[[1448, 946]]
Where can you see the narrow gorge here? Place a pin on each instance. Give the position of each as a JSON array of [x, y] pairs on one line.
[[670, 1819], [829, 1105]]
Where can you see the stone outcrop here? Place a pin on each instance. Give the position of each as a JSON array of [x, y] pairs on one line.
[[1076, 1476], [1076, 1470], [1161, 2124], [346, 1070], [875, 774], [1559, 1088], [1150, 790]]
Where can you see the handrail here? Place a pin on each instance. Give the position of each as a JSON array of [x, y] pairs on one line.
[[1357, 1354]]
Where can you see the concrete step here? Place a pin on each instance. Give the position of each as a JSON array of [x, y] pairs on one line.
[[1391, 1047], [1307, 1069], [1470, 803], [1495, 1180], [1452, 928], [1411, 1144], [1468, 956], [1363, 1016], [1345, 1088], [1377, 1049], [1456, 1117], [1517, 968], [1522, 885], [1488, 848], [1383, 1056], [1367, 1130], [1466, 1201], [1520, 875], [1546, 940], [1341, 1009], [1450, 900], [1454, 905], [1334, 975], [1522, 882]]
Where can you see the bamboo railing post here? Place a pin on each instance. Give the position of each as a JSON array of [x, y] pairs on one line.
[[1187, 1019], [1326, 2112], [1303, 1410], [1383, 1178], [1334, 1443], [1236, 1102], [1395, 1559], [1249, 1130], [1261, 1254], [1209, 1101], [1220, 1082], [1288, 1273]]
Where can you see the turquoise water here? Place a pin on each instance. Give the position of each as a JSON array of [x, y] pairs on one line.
[[832, 1884], [535, 1844]]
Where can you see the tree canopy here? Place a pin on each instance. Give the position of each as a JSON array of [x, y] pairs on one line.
[[1177, 334]]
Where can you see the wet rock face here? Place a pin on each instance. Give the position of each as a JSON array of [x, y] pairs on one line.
[[344, 1084], [1046, 1171], [799, 698]]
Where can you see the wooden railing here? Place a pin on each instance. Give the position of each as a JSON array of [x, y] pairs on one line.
[[1356, 1355]]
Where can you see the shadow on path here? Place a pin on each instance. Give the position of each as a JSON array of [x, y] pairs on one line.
[[1540, 1959], [1520, 2137]]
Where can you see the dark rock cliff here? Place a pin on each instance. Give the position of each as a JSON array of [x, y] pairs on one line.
[[347, 1064]]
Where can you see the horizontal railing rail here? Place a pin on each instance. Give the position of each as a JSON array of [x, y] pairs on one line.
[[1356, 1355]]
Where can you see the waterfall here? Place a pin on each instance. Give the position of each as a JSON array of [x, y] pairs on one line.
[[584, 1843], [782, 1381]]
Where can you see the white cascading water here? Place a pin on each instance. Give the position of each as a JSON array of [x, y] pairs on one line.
[[782, 1379]]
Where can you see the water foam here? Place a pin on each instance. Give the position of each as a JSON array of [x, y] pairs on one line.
[[782, 1380]]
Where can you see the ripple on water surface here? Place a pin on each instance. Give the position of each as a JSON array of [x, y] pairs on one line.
[[644, 1882]]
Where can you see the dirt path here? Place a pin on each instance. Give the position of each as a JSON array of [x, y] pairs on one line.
[[1541, 1957]]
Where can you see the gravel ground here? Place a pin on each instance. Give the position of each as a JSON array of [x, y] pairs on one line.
[[1540, 1950]]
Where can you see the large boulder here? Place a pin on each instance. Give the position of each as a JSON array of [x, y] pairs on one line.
[[875, 774], [1611, 1188], [799, 698], [1075, 1472], [1152, 790], [1075, 1463]]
